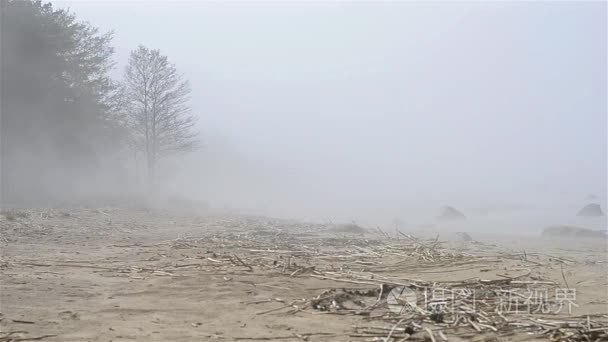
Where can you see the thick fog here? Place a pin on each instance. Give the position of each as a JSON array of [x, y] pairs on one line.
[[372, 111]]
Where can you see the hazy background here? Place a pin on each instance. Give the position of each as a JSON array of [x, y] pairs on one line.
[[370, 111]]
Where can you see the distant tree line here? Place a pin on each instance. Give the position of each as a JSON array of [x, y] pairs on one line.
[[64, 121]]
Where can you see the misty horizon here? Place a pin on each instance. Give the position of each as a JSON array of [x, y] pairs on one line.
[[373, 111], [179, 170]]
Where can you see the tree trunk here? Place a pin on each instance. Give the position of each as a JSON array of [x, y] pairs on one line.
[[151, 173]]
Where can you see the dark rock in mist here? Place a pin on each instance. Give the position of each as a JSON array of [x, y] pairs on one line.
[[464, 236], [591, 210], [572, 231], [450, 214], [348, 228]]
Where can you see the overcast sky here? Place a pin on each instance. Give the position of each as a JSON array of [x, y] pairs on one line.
[[391, 98]]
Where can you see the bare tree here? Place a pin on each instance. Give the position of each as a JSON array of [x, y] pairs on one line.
[[159, 117]]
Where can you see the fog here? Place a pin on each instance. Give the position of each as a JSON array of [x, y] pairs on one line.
[[372, 111]]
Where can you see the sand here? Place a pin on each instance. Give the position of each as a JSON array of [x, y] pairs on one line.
[[140, 275]]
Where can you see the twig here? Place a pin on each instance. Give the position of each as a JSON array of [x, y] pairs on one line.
[[243, 263], [38, 338], [563, 276], [430, 334], [390, 333]]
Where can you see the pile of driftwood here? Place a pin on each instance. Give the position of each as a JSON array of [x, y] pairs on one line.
[[459, 314], [375, 270], [395, 306]]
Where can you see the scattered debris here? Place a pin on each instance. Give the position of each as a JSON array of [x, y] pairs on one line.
[[378, 279]]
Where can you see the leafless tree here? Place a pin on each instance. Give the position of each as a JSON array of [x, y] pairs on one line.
[[159, 116]]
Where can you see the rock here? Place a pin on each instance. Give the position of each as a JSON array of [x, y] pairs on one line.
[[590, 210], [450, 214], [591, 197], [464, 236], [348, 228], [572, 231]]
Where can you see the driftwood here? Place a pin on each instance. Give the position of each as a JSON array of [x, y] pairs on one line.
[[359, 274], [360, 265]]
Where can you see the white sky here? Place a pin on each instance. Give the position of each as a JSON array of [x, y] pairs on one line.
[[393, 97]]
